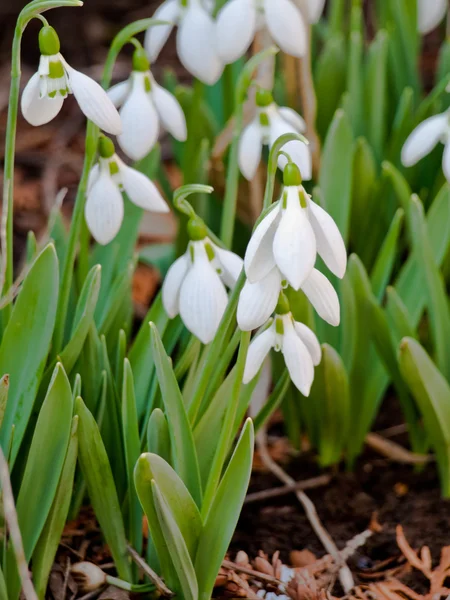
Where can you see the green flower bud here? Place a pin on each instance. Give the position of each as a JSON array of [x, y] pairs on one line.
[[106, 147], [49, 41], [140, 60], [291, 175], [282, 307], [263, 97], [196, 229]]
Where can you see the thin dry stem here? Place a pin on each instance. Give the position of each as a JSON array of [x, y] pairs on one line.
[[394, 451], [154, 578], [307, 484]]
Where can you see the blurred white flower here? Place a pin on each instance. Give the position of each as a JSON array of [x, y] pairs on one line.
[[297, 342], [239, 20], [270, 123], [315, 9], [109, 178], [257, 301], [429, 14], [425, 137], [145, 105], [194, 286], [290, 236], [44, 94], [196, 44]]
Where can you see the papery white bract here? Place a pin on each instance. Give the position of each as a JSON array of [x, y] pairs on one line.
[[195, 284], [425, 137], [271, 122], [298, 344], [144, 105], [44, 94], [104, 203], [429, 14], [239, 20], [196, 44]]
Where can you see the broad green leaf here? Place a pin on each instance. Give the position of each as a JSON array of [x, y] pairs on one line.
[[355, 88], [182, 506], [177, 547], [376, 92], [102, 491], [398, 316], [47, 546], [158, 437], [273, 401], [336, 171], [224, 513], [382, 270], [182, 442], [25, 345], [31, 248], [432, 394], [42, 471], [132, 446], [401, 126]]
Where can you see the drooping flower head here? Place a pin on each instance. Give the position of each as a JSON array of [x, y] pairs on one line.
[[425, 137], [196, 43], [109, 178], [44, 94], [194, 286], [144, 106], [271, 122], [297, 342]]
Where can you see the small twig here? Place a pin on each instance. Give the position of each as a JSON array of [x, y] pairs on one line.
[[10, 513], [307, 484], [154, 578], [228, 564], [394, 451], [345, 575]]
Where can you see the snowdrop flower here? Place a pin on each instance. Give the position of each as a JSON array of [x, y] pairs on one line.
[[195, 284], [144, 105], [239, 20], [425, 137], [196, 44], [314, 9], [298, 344], [270, 123], [291, 235], [44, 94], [258, 301], [104, 204], [429, 14]]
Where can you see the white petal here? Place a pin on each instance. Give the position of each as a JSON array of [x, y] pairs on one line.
[[293, 118], [315, 9], [262, 390], [257, 301], [286, 26], [446, 161], [203, 298], [93, 176], [429, 14], [424, 138], [140, 190], [259, 259], [257, 352], [36, 110], [330, 245], [196, 45], [157, 36], [298, 151], [250, 149], [119, 92], [294, 244], [310, 340], [172, 284], [231, 265], [235, 29], [94, 101], [323, 297], [169, 111], [298, 360], [140, 122], [104, 209]]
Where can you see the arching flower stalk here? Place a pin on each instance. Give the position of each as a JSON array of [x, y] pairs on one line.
[[145, 106], [55, 79], [196, 43], [109, 178]]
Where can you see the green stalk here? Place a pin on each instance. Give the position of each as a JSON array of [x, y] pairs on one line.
[[92, 133], [226, 432], [29, 12]]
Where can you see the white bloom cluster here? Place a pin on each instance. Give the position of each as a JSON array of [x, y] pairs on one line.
[[282, 252]]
